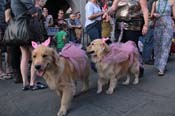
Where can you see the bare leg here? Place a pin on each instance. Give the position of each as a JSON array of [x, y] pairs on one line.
[[101, 82], [112, 85], [32, 75], [24, 64], [65, 101]]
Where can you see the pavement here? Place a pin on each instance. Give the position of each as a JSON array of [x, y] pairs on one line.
[[153, 96]]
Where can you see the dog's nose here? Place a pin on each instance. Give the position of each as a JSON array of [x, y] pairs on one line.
[[37, 67]]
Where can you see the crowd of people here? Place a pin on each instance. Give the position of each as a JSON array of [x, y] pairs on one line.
[[33, 21]]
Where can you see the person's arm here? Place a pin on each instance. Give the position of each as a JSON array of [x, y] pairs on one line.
[[173, 8], [90, 13], [65, 39], [111, 10], [153, 9], [95, 15], [50, 21], [29, 4], [144, 8], [113, 7], [8, 15]]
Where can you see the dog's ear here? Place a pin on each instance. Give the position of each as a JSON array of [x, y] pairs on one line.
[[47, 42], [105, 47], [34, 45], [55, 56]]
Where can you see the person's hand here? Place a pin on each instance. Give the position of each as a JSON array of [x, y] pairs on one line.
[[110, 11], [156, 15], [106, 17], [35, 15], [144, 29]]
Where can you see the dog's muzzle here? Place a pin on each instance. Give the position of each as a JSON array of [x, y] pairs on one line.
[[37, 67], [40, 70], [90, 52]]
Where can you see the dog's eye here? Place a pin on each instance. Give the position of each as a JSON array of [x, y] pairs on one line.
[[92, 44], [34, 56], [44, 55]]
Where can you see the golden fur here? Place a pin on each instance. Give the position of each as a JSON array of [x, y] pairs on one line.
[[111, 72], [59, 74]]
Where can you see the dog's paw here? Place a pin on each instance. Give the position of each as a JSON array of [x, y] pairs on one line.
[[99, 91], [125, 83], [109, 92], [136, 81], [61, 113], [84, 89]]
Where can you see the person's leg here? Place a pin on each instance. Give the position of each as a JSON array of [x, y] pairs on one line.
[[2, 74], [24, 66], [99, 28], [166, 43], [32, 76], [9, 70], [93, 33], [15, 62], [1, 61]]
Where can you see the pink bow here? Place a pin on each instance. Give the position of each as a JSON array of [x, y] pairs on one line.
[[104, 39], [45, 43]]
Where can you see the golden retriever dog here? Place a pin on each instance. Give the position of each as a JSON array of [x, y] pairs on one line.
[[60, 71], [114, 62]]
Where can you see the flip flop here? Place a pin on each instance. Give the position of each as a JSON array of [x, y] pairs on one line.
[[38, 86], [2, 76], [7, 77]]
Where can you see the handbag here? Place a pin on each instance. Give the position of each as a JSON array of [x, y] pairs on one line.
[[18, 32]]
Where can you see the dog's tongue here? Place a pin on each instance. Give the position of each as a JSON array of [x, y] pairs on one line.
[[40, 73]]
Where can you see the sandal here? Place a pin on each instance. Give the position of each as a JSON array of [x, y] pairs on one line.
[[7, 77], [38, 86], [161, 73], [10, 73], [26, 87], [2, 75]]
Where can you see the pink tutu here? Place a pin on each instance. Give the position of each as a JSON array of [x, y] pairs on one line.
[[76, 55], [120, 52]]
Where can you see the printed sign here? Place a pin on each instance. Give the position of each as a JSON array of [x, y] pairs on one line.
[[51, 31]]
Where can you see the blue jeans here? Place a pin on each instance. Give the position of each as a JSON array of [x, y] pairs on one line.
[[148, 46], [94, 30]]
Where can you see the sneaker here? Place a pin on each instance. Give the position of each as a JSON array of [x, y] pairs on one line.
[[161, 73]]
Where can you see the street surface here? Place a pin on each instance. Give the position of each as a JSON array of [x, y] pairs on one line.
[[153, 96]]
